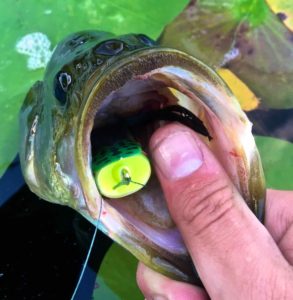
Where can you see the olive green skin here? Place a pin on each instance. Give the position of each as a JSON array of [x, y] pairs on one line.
[[57, 117]]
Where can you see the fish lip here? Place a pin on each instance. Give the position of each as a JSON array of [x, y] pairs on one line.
[[114, 77]]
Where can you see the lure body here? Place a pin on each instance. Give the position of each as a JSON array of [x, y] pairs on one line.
[[121, 169]]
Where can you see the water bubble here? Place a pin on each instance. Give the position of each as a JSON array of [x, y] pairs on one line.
[[37, 47]]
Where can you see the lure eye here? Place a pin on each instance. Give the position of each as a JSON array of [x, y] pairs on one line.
[[61, 84], [121, 169], [112, 47], [146, 40]]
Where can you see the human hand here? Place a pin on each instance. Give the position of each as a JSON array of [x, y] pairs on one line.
[[235, 256]]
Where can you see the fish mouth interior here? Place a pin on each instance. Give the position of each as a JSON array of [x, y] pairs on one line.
[[144, 95]]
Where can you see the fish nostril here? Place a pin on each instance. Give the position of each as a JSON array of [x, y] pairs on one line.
[[78, 40], [99, 61], [112, 47]]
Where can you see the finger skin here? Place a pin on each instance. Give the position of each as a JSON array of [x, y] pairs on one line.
[[156, 286], [279, 220], [279, 212], [234, 254]]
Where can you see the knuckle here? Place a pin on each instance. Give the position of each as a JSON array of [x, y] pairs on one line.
[[206, 203]]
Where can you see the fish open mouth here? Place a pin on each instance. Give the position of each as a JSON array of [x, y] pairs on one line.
[[134, 98]]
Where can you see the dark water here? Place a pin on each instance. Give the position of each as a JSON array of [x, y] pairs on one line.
[[277, 123], [43, 246]]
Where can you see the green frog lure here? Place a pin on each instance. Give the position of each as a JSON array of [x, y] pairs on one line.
[[121, 169]]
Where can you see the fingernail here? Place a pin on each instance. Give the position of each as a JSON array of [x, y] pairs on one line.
[[177, 155]]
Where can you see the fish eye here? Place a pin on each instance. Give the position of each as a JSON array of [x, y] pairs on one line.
[[61, 84], [146, 40], [111, 47]]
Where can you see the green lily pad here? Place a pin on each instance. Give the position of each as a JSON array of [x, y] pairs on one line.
[[244, 36], [118, 273], [55, 20], [277, 159]]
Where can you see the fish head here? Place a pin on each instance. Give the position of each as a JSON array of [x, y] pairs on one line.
[[97, 83]]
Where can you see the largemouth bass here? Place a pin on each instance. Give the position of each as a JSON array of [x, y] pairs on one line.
[[97, 84]]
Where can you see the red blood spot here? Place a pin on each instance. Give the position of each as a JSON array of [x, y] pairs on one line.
[[104, 213], [233, 153]]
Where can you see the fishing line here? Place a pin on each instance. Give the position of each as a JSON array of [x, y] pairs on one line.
[[127, 183], [88, 255], [104, 161], [126, 180]]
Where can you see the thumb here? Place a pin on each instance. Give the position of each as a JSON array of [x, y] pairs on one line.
[[231, 250]]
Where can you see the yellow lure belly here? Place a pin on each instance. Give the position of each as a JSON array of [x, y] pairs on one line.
[[121, 169]]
